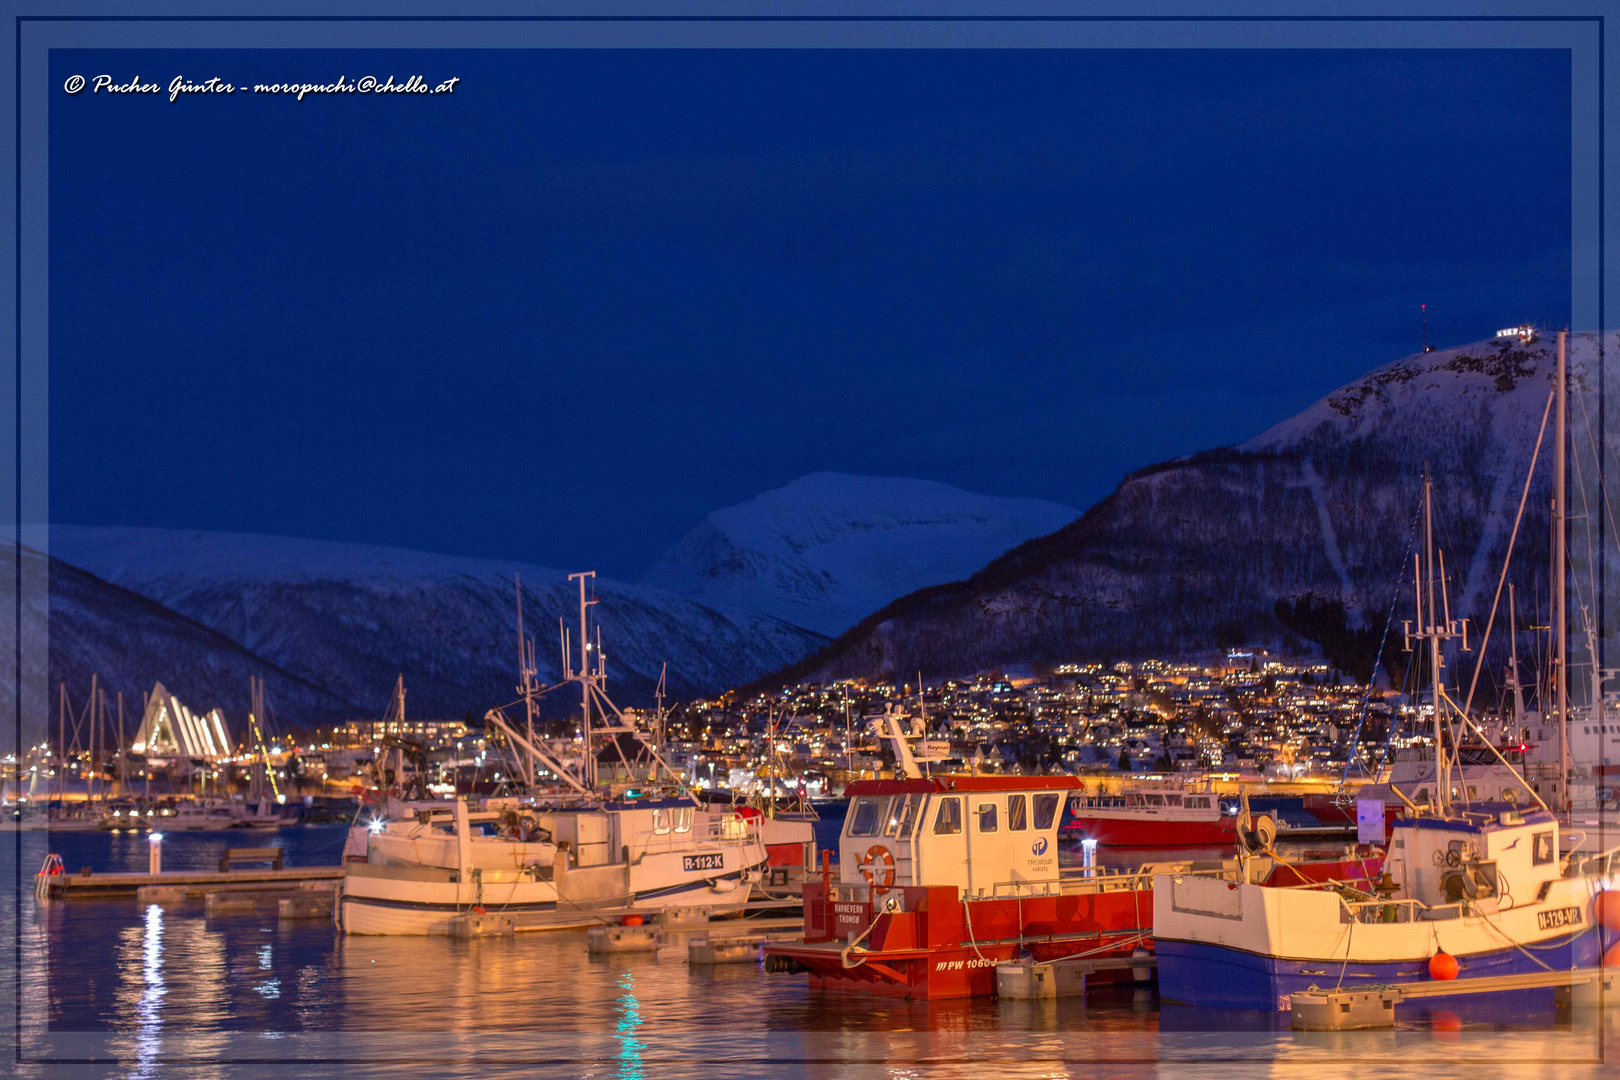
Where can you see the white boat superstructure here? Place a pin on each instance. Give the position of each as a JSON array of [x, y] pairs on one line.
[[426, 898]]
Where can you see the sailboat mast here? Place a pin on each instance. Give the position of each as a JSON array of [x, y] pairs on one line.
[[1513, 662], [1442, 768], [588, 770], [526, 672], [1561, 656], [95, 736]]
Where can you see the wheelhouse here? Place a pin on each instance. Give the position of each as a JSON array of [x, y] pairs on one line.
[[982, 835]]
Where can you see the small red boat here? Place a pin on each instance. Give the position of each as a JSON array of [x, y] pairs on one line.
[[1162, 815], [941, 879]]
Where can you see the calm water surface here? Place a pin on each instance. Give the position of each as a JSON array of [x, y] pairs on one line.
[[110, 988]]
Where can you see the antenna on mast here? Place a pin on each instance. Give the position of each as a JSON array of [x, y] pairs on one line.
[[1426, 346]]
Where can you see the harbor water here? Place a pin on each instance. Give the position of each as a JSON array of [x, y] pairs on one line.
[[113, 988]]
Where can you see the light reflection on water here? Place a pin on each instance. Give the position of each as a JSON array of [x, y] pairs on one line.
[[158, 992], [630, 1047]]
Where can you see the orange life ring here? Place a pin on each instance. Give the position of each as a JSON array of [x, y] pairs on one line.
[[878, 856]]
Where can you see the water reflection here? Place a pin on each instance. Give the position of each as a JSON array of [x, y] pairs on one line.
[[630, 1046], [159, 988], [149, 1010]]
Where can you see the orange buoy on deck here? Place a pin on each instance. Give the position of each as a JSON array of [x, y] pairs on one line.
[[1606, 909], [1443, 967], [631, 920], [1612, 957]]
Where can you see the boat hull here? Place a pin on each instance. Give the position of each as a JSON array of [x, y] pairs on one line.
[[942, 947], [1218, 976], [418, 902]]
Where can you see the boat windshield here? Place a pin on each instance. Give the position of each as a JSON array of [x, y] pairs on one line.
[[866, 816], [904, 813], [1017, 814], [1046, 808]]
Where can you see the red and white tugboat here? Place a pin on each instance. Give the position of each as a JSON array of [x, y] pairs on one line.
[[942, 878]]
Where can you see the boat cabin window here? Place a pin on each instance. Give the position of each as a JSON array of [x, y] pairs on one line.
[[904, 814], [1422, 796], [1173, 800], [1046, 808], [660, 822], [1541, 853], [987, 817], [866, 816], [1155, 800], [1017, 813], [683, 819], [948, 822]]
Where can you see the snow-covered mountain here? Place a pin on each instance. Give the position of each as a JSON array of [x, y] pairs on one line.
[[1302, 533], [347, 617], [131, 642], [829, 549]]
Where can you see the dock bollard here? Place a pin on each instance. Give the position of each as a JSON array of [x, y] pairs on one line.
[[154, 853]]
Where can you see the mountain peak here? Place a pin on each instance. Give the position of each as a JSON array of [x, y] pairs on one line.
[[829, 548]]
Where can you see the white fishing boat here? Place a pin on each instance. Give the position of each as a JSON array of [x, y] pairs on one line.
[[1471, 888], [424, 898], [593, 848]]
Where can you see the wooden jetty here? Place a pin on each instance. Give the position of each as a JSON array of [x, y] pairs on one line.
[[1374, 1006], [188, 884]]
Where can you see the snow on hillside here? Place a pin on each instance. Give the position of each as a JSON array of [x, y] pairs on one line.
[[1191, 554], [829, 549], [348, 617], [130, 642]]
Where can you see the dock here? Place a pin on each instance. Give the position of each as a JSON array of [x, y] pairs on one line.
[[189, 884], [586, 918], [1374, 1006]]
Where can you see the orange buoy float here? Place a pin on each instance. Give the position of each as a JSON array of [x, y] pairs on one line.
[[631, 920], [1606, 909], [1443, 967], [1612, 957]]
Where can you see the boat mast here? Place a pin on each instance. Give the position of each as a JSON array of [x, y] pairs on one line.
[[123, 749], [586, 679], [1513, 665], [526, 671], [1561, 655], [1442, 762]]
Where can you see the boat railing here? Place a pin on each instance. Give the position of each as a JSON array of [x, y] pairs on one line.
[[1008, 890], [1602, 864], [1383, 911]]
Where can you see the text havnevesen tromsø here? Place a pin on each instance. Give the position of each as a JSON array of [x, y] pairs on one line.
[[180, 86]]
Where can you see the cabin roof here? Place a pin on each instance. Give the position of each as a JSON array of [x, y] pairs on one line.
[[961, 783], [1479, 821]]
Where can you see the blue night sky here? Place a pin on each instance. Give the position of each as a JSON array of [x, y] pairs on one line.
[[568, 310]]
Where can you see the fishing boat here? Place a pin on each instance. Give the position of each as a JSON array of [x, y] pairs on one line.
[[639, 841], [1470, 889], [1465, 894], [1164, 814], [427, 896], [941, 878]]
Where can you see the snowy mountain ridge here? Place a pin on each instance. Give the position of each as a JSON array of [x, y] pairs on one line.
[[1300, 534], [348, 617], [828, 549]]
